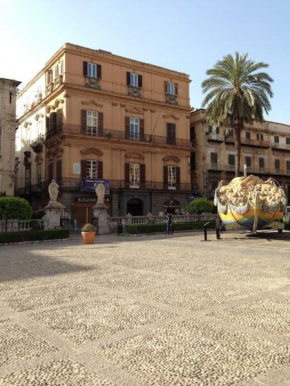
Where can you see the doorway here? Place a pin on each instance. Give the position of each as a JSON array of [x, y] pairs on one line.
[[135, 207], [171, 206]]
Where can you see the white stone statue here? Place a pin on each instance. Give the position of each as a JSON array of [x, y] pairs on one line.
[[53, 191], [100, 191]]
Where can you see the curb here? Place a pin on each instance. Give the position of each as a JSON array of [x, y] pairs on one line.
[[33, 242]]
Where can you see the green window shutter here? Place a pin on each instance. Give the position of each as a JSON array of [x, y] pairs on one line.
[[276, 138], [287, 140]]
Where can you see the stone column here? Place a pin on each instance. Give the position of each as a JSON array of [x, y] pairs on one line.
[[54, 208], [100, 211], [53, 213]]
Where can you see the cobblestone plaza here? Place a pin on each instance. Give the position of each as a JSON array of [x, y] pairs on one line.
[[155, 310]]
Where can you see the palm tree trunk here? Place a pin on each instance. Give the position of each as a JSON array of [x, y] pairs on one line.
[[238, 151]]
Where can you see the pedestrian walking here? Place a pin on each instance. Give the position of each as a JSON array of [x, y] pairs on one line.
[[169, 224]]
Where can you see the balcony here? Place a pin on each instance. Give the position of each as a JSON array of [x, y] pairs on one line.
[[49, 88], [75, 183], [171, 98], [37, 144], [135, 91], [280, 146], [115, 135], [230, 168], [229, 139], [58, 81], [255, 142], [92, 82], [216, 167], [248, 142], [215, 137]]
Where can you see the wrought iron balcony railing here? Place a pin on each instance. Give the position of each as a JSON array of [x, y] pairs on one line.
[[108, 134], [248, 142], [280, 146], [74, 183]]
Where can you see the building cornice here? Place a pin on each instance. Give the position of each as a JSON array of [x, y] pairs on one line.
[[112, 96], [123, 61]]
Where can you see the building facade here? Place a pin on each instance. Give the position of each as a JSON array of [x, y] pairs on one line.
[[105, 118], [265, 150], [7, 135]]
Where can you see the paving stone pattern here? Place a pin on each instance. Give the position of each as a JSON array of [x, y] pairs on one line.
[[155, 310]]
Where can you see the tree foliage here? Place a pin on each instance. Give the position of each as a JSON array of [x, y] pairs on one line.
[[237, 93], [14, 208], [199, 206]]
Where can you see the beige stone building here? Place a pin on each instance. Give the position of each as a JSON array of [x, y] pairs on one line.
[[265, 151], [7, 135], [90, 116]]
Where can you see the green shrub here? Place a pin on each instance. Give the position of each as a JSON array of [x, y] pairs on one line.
[[151, 221], [14, 237], [88, 228], [155, 228], [14, 208], [199, 206]]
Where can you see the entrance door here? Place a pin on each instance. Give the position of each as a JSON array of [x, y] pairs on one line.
[[83, 214], [135, 207]]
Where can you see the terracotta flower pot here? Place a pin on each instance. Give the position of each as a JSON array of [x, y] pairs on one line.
[[88, 237]]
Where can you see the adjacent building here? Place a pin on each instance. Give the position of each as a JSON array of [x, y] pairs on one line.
[[7, 135], [90, 116], [265, 151]]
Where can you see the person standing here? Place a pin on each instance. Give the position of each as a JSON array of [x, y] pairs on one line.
[[169, 224]]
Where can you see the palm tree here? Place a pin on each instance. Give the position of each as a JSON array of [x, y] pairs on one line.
[[237, 94]]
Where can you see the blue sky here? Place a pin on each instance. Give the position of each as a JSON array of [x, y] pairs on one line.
[[185, 35]]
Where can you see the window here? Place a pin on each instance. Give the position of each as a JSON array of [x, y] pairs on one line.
[[260, 137], [261, 162], [210, 129], [192, 161], [92, 122], [213, 158], [134, 80], [192, 134], [171, 88], [248, 135], [28, 177], [171, 133], [49, 77], [214, 185], [134, 128], [92, 169], [277, 164], [39, 127], [249, 161], [231, 159], [58, 70], [288, 166], [287, 140], [217, 130], [92, 70], [58, 169], [50, 171], [231, 132], [38, 174], [134, 176], [172, 177], [276, 138]]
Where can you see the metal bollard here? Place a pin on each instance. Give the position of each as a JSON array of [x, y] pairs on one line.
[[205, 230]]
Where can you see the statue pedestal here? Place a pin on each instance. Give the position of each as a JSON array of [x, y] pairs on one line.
[[52, 213], [100, 212]]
